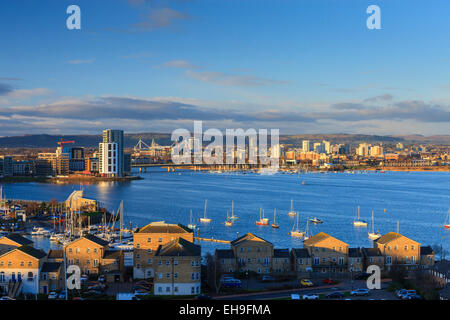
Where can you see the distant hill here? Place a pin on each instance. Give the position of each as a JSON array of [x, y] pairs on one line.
[[49, 141]]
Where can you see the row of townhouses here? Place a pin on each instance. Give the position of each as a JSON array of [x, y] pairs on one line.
[[322, 253], [167, 254]]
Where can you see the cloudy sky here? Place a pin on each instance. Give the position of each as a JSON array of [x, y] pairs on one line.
[[303, 66]]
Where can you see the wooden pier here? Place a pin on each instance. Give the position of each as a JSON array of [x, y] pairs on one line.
[[211, 240]]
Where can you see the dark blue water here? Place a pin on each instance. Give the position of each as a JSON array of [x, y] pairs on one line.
[[418, 200]]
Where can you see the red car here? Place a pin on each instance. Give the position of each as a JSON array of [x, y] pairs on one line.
[[328, 281]]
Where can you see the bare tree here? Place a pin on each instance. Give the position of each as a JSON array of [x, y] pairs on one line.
[[213, 272]]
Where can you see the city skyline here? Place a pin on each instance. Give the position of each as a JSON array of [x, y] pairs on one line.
[[154, 66]]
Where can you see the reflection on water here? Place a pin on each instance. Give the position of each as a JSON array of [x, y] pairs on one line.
[[419, 201]]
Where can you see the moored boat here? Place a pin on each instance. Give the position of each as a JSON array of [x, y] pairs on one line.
[[205, 219], [292, 213], [274, 224], [358, 222]]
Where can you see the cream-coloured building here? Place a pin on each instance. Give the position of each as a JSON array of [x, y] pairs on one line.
[[399, 250], [21, 266], [177, 268], [328, 254], [147, 240]]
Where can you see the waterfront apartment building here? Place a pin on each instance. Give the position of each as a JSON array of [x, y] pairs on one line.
[[93, 256], [111, 157], [328, 254], [20, 270], [398, 250], [147, 240], [6, 166], [58, 162], [177, 268], [250, 253]]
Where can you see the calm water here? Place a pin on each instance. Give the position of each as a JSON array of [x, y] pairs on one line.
[[419, 201]]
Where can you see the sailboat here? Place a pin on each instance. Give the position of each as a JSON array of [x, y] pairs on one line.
[[191, 224], [306, 237], [373, 235], [262, 221], [274, 224], [292, 213], [205, 219], [233, 217], [296, 233], [228, 222], [447, 220], [359, 223]]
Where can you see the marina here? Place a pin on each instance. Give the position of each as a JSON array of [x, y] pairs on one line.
[[418, 200]]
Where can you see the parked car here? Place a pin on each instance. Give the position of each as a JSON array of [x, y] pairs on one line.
[[335, 295], [84, 278], [405, 295], [310, 297], [101, 278], [400, 293], [328, 281], [232, 283], [267, 279], [6, 298], [306, 283], [362, 276], [360, 292], [62, 295], [52, 295]]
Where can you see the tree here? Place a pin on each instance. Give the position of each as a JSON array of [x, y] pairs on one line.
[[439, 251], [213, 272]]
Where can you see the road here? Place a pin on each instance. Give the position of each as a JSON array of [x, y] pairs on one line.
[[346, 286]]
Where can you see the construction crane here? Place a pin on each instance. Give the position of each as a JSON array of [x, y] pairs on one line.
[[61, 142]]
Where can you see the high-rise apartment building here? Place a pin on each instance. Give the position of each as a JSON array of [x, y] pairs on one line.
[[306, 146], [111, 160]]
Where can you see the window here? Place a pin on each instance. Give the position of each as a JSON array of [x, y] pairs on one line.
[[316, 260], [95, 262], [159, 263], [160, 275], [167, 289], [192, 290], [249, 249], [192, 276], [160, 289], [149, 250], [70, 250], [95, 250], [9, 263], [175, 289], [138, 266], [175, 263], [149, 261], [300, 261], [192, 263], [77, 250], [138, 256], [87, 250], [388, 260], [138, 246], [406, 248], [175, 275], [30, 263], [44, 276], [168, 275], [30, 276], [22, 264], [167, 263], [160, 240], [87, 261], [412, 247], [341, 260]]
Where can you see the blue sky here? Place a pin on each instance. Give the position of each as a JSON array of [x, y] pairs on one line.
[[156, 65]]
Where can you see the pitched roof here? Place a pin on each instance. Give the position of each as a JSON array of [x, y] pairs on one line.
[[38, 254], [281, 253], [95, 239], [391, 236], [55, 254], [372, 252], [301, 253], [51, 266], [224, 254], [19, 239], [316, 238], [247, 237], [179, 247], [443, 266], [426, 250], [162, 227], [112, 254], [355, 252]]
